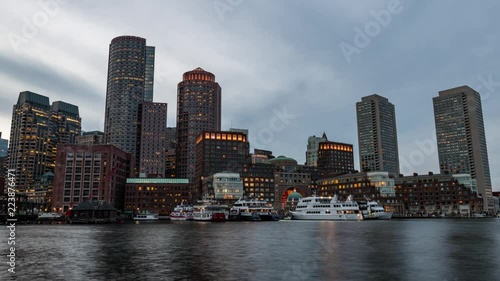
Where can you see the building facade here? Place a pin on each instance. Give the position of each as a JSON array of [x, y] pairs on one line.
[[377, 135], [449, 194], [496, 201], [4, 146], [198, 110], [223, 187], [67, 121], [377, 186], [90, 138], [461, 137], [155, 195], [153, 139], [170, 163], [171, 138], [289, 177], [36, 129], [130, 71], [312, 149], [149, 74], [335, 157], [90, 172], [220, 151], [258, 181], [261, 156]]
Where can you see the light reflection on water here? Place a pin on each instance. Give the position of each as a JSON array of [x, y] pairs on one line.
[[286, 250]]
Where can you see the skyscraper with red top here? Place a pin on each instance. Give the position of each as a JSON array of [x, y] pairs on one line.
[[198, 110]]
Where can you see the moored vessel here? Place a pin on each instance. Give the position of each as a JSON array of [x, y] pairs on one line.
[[210, 210], [253, 210], [321, 208], [182, 212], [372, 210], [146, 217], [49, 216]]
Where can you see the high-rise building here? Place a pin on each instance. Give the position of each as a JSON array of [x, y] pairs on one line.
[[220, 152], [4, 145], [335, 157], [149, 74], [170, 163], [312, 149], [153, 138], [461, 137], [198, 110], [68, 121], [377, 135], [130, 72], [171, 138], [170, 153], [36, 129]]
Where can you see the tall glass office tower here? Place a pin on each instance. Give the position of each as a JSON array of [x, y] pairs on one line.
[[130, 82], [461, 138], [377, 135], [198, 110]]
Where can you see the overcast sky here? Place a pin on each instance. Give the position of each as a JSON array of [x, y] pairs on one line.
[[288, 69]]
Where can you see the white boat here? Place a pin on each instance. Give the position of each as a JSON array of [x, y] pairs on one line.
[[146, 217], [48, 216], [206, 208], [182, 213], [372, 210], [321, 208], [253, 209]]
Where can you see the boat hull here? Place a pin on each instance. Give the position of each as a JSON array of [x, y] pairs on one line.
[[219, 217], [378, 216], [269, 217], [176, 218], [325, 217], [147, 218], [202, 216]]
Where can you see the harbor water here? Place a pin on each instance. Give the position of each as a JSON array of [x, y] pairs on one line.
[[417, 249]]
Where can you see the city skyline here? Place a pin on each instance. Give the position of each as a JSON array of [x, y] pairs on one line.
[[270, 70]]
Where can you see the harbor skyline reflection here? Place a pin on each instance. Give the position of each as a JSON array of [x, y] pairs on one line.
[[432, 249]]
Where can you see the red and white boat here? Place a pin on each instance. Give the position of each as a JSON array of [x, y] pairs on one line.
[[210, 210], [182, 213]]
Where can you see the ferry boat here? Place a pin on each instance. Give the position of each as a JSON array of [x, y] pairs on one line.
[[146, 217], [321, 208], [210, 210], [182, 213], [253, 210], [372, 210]]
